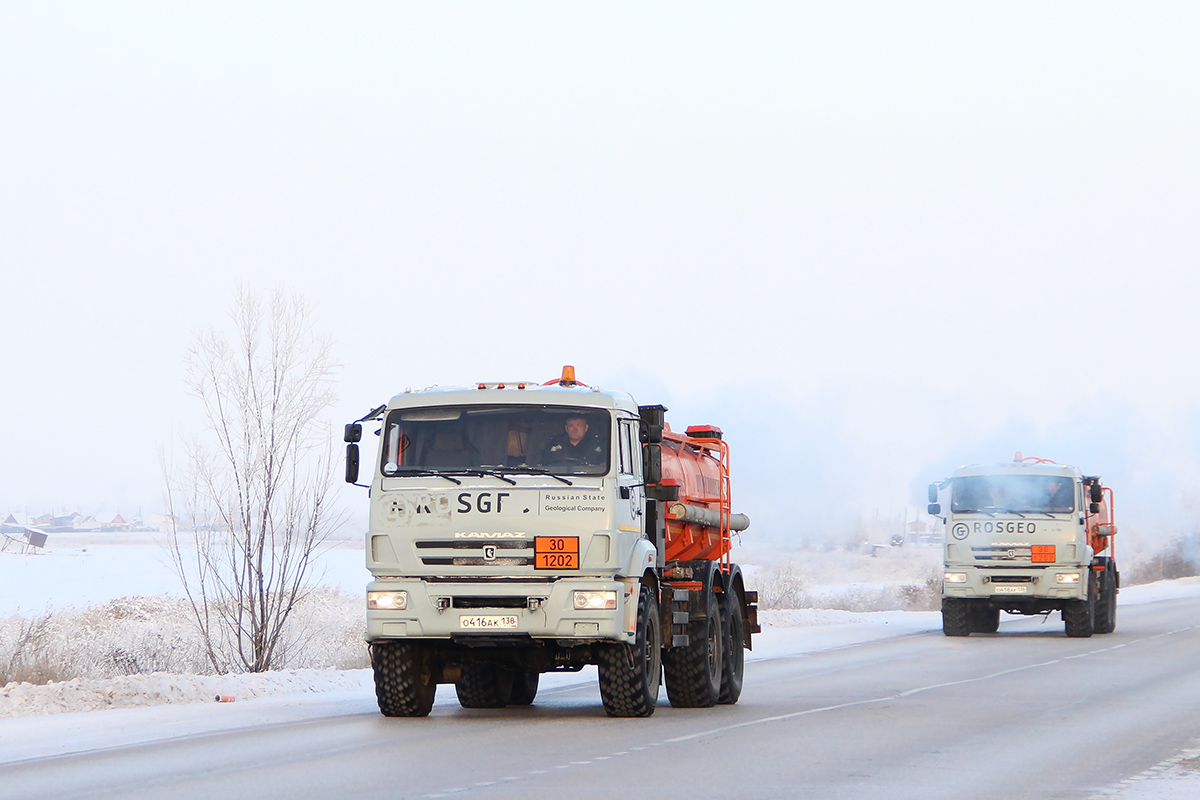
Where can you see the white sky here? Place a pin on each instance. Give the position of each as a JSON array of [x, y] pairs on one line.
[[870, 241]]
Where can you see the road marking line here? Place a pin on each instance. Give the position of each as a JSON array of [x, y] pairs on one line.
[[1156, 771]]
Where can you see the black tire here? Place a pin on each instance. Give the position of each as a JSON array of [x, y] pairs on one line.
[[1079, 616], [484, 686], [984, 619], [524, 688], [1106, 601], [955, 618], [693, 672], [733, 670], [404, 684], [630, 674]]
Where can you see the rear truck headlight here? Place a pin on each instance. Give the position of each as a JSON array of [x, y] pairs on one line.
[[955, 577], [595, 601], [388, 601], [1067, 577]]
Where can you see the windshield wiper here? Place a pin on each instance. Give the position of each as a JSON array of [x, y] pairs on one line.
[[489, 472], [537, 471], [991, 511], [408, 472]]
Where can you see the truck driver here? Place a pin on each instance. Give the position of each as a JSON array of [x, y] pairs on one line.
[[575, 444]]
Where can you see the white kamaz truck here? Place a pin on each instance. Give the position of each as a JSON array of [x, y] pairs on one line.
[[1027, 537], [521, 528]]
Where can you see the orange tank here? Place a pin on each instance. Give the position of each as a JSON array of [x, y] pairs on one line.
[[698, 524]]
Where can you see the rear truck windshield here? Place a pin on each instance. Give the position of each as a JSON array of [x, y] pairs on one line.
[[508, 439], [1019, 493]]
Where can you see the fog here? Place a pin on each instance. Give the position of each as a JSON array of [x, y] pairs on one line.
[[871, 242]]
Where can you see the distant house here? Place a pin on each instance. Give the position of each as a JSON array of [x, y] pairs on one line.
[[112, 521], [18, 518]]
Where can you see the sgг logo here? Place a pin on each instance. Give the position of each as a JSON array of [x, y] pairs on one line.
[[960, 530]]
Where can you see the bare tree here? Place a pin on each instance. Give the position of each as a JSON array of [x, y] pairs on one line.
[[256, 487]]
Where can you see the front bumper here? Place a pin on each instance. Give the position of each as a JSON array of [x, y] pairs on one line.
[[537, 610], [1017, 584]]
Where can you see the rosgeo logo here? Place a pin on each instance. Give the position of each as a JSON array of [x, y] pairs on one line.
[[960, 530]]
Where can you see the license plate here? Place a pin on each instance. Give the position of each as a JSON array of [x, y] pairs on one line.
[[488, 622], [1010, 590], [556, 552]]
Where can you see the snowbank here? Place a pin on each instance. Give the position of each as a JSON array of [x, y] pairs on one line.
[[127, 691]]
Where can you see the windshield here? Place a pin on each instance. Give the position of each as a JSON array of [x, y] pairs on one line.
[[1039, 493], [555, 439]]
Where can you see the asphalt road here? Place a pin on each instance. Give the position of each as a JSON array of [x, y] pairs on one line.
[[1024, 713]]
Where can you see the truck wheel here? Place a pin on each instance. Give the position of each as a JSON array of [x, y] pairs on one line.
[[404, 684], [1079, 616], [484, 686], [524, 688], [694, 672], [984, 619], [735, 655], [1106, 602], [630, 674], [955, 619]]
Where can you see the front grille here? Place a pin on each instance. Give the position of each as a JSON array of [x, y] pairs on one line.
[[1011, 579], [474, 555], [488, 602], [1015, 553]]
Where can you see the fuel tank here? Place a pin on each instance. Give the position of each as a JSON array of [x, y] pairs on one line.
[[700, 521]]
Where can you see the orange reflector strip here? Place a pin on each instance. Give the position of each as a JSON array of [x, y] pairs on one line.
[[1043, 554]]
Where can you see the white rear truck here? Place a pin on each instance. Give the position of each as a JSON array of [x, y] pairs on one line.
[[1027, 537], [520, 528]]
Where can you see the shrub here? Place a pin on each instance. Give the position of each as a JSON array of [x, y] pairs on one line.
[[140, 635]]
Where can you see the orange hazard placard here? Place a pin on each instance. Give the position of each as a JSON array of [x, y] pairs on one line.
[[1043, 554], [556, 552]]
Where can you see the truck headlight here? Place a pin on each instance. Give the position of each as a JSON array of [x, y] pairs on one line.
[[388, 601], [955, 577], [1067, 577], [594, 601]]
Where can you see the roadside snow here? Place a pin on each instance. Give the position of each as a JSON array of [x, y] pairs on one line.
[[128, 691]]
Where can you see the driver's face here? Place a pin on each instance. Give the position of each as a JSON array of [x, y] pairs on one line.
[[576, 428]]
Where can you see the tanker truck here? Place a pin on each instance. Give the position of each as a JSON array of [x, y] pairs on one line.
[[1027, 537], [519, 528]]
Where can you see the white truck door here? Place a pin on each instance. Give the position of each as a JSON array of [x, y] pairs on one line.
[[631, 501]]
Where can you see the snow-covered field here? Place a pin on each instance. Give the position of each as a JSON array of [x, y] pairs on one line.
[[87, 581]]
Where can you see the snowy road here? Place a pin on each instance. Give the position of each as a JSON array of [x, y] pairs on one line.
[[1022, 714]]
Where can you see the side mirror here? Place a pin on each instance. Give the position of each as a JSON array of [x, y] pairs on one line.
[[933, 493], [651, 463], [353, 432], [935, 509], [1094, 508], [1097, 493], [351, 462], [652, 419]]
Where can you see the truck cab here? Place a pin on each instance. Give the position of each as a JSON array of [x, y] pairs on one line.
[[486, 517]]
